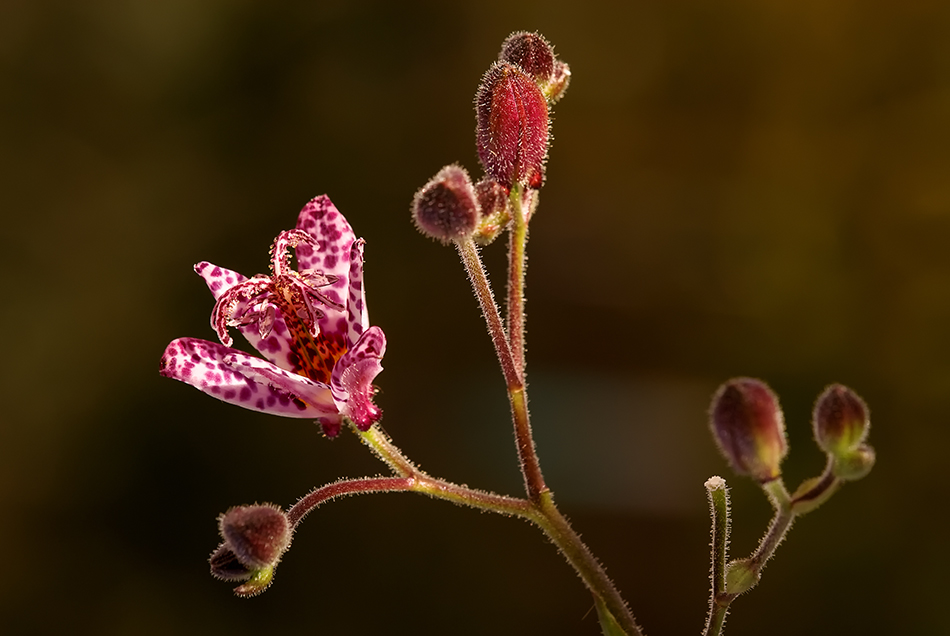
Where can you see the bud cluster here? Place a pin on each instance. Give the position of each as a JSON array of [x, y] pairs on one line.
[[255, 538], [512, 138], [749, 429]]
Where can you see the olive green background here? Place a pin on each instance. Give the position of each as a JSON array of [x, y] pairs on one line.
[[748, 188]]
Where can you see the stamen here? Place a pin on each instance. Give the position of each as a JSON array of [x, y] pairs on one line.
[[280, 250]]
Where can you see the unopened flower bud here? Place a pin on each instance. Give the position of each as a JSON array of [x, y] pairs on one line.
[[749, 428], [559, 81], [493, 201], [512, 133], [446, 208], [257, 535], [855, 464], [741, 576], [840, 420], [532, 53]]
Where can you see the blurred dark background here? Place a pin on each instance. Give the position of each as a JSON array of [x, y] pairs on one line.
[[756, 188]]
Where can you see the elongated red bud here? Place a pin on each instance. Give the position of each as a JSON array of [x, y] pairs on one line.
[[513, 123]]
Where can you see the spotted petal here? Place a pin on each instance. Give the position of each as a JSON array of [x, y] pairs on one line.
[[237, 378], [331, 254], [276, 346], [353, 375], [357, 316]]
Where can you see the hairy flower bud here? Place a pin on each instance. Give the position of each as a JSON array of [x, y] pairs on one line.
[[535, 56], [749, 428], [446, 208], [257, 535], [493, 201], [559, 81], [741, 576], [532, 53], [512, 132], [840, 420]]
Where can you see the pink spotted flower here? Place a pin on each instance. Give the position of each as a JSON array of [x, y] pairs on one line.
[[310, 324]]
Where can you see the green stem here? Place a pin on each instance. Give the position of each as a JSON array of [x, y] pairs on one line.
[[719, 511], [560, 532], [781, 522], [516, 277], [542, 512]]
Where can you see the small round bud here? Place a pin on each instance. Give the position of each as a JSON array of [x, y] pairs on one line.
[[532, 53], [446, 208], [558, 84], [741, 576], [749, 428], [512, 132], [493, 202], [256, 535], [840, 420], [855, 464], [492, 197]]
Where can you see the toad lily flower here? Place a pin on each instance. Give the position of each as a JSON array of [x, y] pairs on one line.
[[310, 324]]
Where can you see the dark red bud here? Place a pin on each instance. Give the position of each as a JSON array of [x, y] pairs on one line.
[[446, 208], [512, 133], [493, 201], [749, 428], [840, 420], [492, 197], [532, 53], [257, 535]]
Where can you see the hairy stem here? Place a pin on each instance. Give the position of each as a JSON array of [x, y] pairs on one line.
[[719, 511], [781, 522], [476, 273], [542, 513], [517, 396], [516, 277], [560, 532]]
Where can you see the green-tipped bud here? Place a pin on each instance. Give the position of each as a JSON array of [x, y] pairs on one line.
[[257, 535], [741, 576], [840, 420], [446, 208], [855, 464], [749, 429]]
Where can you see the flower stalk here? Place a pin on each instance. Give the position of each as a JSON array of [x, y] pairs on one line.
[[516, 278], [719, 511], [542, 512]]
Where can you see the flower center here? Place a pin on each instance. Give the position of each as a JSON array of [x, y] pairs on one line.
[[311, 356]]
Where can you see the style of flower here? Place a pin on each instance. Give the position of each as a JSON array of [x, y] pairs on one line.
[[310, 324]]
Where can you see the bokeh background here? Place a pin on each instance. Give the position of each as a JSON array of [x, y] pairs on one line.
[[749, 188]]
